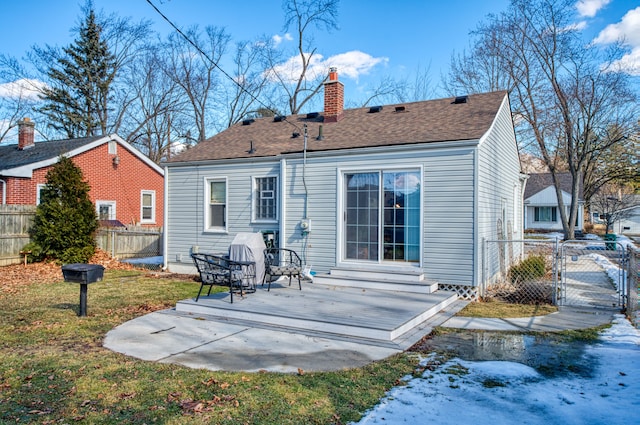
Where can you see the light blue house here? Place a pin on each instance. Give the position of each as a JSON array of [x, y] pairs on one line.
[[395, 197]]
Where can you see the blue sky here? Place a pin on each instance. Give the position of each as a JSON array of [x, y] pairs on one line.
[[374, 39]]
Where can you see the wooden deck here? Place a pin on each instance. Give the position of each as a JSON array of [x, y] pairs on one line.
[[338, 310]]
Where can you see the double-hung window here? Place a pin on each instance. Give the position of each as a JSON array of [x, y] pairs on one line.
[[147, 206], [265, 199], [216, 205]]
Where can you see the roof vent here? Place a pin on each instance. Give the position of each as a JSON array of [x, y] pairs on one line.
[[248, 122], [400, 108], [312, 115], [279, 118], [460, 99], [375, 109], [251, 149]]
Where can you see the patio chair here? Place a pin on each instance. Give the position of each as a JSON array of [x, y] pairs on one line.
[[218, 270], [281, 262]]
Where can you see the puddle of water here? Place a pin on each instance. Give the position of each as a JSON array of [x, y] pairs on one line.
[[550, 355]]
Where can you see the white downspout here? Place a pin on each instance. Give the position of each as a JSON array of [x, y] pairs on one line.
[[165, 234], [4, 192], [283, 202]]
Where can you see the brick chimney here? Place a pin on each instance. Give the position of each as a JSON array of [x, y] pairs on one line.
[[333, 97], [25, 134]]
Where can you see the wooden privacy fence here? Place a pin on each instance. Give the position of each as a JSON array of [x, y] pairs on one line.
[[132, 242], [15, 222]]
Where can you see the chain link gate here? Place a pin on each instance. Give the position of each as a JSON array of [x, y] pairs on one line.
[[591, 274], [573, 273]]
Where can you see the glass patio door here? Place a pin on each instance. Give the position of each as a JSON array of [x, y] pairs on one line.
[[382, 216]]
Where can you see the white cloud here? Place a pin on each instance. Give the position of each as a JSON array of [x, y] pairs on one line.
[[350, 64], [629, 63], [628, 29], [24, 88], [578, 26], [589, 8], [277, 39]]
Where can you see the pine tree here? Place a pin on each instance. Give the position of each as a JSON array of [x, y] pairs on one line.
[[65, 222], [80, 80]]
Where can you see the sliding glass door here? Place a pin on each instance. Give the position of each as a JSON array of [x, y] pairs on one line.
[[382, 216]]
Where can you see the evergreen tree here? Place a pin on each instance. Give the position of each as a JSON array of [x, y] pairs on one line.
[[77, 100], [65, 222]]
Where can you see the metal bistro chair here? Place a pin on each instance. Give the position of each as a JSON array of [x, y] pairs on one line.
[[281, 262], [218, 270]]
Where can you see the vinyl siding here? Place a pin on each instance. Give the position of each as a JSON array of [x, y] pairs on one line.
[[498, 175], [186, 208], [447, 207]]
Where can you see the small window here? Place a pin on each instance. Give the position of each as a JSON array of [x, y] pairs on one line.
[[546, 214], [216, 213], [265, 200], [39, 192], [106, 210], [148, 206], [113, 147]]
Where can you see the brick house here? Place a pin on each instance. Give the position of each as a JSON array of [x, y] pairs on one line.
[[125, 184]]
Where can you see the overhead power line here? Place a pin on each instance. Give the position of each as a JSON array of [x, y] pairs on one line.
[[207, 57]]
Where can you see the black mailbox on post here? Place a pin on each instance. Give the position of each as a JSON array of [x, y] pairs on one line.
[[83, 274]]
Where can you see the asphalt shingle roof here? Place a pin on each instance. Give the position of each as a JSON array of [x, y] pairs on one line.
[[12, 157], [540, 181], [420, 122]]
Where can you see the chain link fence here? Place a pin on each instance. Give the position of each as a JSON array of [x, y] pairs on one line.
[[632, 285], [577, 273], [524, 272]]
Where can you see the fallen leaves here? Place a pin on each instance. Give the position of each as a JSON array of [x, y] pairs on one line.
[[15, 277]]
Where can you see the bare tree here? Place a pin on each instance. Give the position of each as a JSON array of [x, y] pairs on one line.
[[196, 74], [294, 76], [249, 83], [415, 87], [613, 203], [157, 114], [566, 99], [18, 94]]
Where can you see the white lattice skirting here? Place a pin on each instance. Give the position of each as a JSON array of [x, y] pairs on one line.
[[465, 292]]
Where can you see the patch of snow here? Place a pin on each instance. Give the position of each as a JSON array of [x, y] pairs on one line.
[[460, 392]]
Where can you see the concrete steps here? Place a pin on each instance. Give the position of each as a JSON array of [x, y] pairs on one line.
[[409, 281]]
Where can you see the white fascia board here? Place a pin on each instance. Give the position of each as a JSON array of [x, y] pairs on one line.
[[27, 170], [136, 152]]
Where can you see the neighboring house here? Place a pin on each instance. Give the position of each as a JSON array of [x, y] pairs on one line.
[[405, 191], [125, 184], [541, 203], [630, 224]]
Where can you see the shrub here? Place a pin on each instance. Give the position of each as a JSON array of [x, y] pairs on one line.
[[532, 268], [65, 222]]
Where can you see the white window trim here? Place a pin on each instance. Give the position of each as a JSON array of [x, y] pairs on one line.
[[253, 200], [381, 265], [152, 220], [113, 208], [39, 187], [207, 210]]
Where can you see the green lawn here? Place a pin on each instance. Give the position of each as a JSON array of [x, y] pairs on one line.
[[53, 368]]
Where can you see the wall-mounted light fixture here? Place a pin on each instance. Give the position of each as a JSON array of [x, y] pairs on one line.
[[116, 160]]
